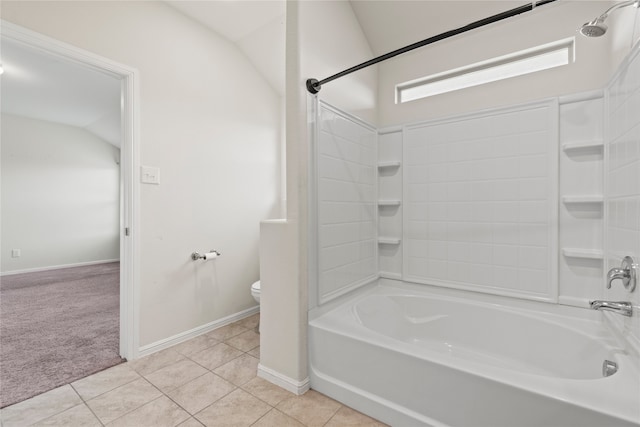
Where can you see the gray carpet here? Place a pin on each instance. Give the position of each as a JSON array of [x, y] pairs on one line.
[[55, 327]]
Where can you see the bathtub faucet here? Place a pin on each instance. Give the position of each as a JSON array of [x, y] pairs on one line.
[[621, 307]]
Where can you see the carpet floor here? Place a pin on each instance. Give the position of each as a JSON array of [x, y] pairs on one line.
[[57, 326]]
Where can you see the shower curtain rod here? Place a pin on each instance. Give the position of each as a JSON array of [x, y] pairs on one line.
[[314, 86]]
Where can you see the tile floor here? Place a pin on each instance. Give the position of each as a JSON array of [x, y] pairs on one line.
[[209, 380]]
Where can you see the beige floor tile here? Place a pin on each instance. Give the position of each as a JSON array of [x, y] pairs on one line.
[[250, 322], [216, 356], [264, 390], [175, 375], [347, 417], [255, 352], [161, 412], [40, 407], [227, 332], [191, 422], [104, 381], [124, 399], [275, 418], [312, 408], [240, 370], [195, 345], [201, 392], [79, 416], [155, 361], [236, 409], [245, 341]]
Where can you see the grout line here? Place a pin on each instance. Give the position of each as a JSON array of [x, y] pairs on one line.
[[84, 402], [125, 414]]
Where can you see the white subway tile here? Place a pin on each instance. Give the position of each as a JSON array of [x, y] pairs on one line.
[[534, 212], [505, 255], [534, 166], [506, 190]]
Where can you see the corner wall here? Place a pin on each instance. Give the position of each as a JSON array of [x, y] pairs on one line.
[[314, 50], [211, 124]]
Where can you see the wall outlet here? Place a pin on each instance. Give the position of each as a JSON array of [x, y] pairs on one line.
[[15, 253], [150, 175]]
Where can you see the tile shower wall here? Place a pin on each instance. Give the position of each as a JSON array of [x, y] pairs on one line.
[[622, 195], [480, 202], [346, 176]]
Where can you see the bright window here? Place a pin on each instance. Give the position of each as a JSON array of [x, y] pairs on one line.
[[515, 64]]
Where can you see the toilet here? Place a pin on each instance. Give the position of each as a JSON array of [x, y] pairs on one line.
[[255, 291]]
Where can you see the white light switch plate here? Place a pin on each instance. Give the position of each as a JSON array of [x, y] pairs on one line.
[[149, 175]]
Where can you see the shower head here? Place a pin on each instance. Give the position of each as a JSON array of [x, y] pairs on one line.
[[596, 27]]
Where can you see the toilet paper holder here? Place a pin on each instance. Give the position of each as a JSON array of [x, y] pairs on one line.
[[209, 255]]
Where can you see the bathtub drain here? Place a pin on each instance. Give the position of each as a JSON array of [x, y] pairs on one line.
[[609, 368]]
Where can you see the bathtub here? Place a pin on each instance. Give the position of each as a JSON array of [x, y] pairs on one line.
[[418, 356]]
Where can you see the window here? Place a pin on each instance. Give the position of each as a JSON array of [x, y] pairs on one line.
[[515, 64]]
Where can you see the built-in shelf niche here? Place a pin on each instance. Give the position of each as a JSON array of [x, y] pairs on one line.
[[389, 240], [390, 173], [583, 199], [577, 146], [582, 148], [389, 165], [595, 254]]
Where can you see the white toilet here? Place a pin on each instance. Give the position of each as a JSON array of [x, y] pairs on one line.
[[255, 291]]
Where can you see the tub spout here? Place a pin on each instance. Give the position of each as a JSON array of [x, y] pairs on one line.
[[621, 307]]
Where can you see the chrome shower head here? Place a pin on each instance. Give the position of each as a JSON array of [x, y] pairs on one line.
[[597, 28]]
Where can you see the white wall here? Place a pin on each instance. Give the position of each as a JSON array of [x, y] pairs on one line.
[[331, 41], [595, 61], [60, 195], [211, 124]]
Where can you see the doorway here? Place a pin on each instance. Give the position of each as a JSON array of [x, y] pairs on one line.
[[68, 212]]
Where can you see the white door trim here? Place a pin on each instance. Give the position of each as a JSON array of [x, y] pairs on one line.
[[129, 169]]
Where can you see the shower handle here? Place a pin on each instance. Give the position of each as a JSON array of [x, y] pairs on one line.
[[626, 273]]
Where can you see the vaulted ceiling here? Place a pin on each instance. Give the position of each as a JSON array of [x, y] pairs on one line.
[[41, 86]]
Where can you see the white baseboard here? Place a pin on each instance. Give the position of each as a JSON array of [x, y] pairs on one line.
[[187, 335], [58, 267], [289, 384]]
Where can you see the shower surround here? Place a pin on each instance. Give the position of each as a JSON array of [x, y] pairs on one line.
[[496, 216]]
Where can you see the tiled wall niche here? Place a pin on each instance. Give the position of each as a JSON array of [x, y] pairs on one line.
[[581, 198]]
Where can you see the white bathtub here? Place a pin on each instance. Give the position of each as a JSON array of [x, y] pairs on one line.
[[415, 357]]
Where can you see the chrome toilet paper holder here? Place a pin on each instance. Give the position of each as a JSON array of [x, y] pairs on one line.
[[209, 255]]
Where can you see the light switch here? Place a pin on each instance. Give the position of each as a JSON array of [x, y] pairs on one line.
[[15, 253], [149, 175]]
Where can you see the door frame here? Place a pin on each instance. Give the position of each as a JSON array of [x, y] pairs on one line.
[[129, 169]]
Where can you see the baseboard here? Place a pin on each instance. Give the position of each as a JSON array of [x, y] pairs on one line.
[[187, 335], [58, 267], [289, 384]]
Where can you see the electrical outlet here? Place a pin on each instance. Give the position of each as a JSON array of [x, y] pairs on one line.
[[150, 175], [15, 253]]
